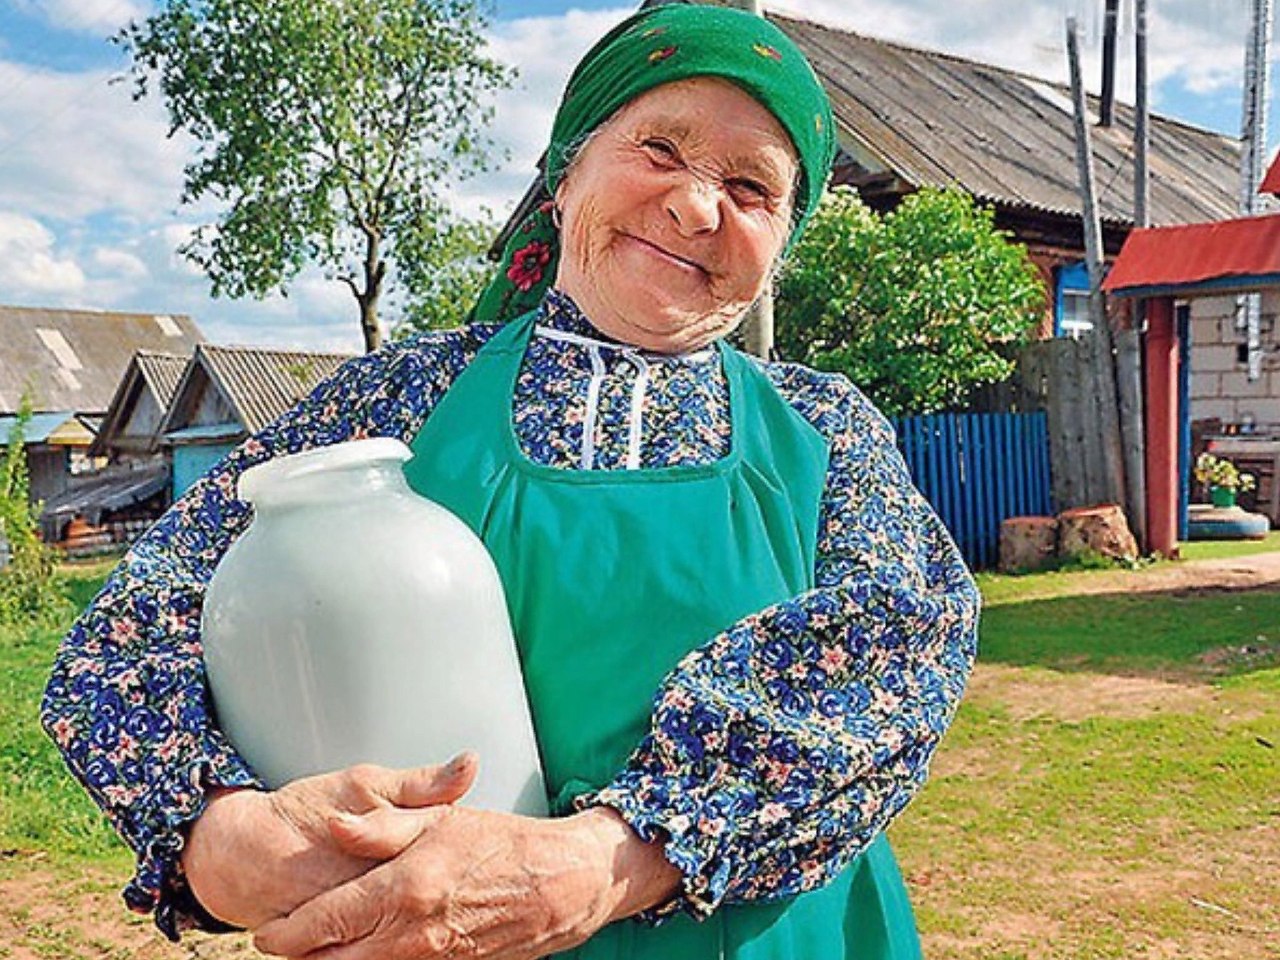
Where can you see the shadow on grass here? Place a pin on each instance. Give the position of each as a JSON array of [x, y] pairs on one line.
[[1194, 635]]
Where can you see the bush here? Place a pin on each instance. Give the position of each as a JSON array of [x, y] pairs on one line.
[[29, 593], [917, 307]]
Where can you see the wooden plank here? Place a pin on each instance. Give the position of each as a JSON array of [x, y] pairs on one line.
[[1129, 381]]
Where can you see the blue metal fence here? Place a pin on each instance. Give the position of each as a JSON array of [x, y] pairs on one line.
[[978, 469]]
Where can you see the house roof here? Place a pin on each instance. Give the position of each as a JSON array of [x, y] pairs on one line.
[[61, 428], [934, 119], [74, 359], [157, 372], [1271, 182], [1219, 257], [258, 383]]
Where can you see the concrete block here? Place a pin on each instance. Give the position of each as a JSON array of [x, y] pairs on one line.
[[1222, 409], [1206, 330], [1239, 386], [1205, 384], [1224, 306], [1266, 410], [1209, 359]]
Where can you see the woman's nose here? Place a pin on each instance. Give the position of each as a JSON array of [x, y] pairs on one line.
[[694, 205]]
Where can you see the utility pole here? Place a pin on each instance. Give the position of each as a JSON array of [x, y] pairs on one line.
[[1129, 341], [757, 329], [1253, 148], [1141, 129], [1107, 416], [1107, 110]]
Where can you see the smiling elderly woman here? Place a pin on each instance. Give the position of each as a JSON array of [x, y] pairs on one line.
[[743, 632]]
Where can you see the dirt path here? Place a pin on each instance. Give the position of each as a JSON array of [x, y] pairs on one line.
[[1252, 572]]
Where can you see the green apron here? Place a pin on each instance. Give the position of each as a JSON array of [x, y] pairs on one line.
[[611, 577]]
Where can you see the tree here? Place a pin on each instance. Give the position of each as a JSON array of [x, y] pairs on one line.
[[446, 273], [917, 307], [29, 591], [327, 129]]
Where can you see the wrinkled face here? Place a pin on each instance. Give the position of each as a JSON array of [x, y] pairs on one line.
[[674, 213]]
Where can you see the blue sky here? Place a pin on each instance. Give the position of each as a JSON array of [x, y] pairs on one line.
[[89, 183]]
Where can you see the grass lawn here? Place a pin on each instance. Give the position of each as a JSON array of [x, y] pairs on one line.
[[1110, 789]]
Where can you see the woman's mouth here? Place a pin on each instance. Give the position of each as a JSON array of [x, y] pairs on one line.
[[666, 256]]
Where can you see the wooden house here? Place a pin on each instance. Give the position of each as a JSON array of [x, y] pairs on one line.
[[227, 393], [69, 363]]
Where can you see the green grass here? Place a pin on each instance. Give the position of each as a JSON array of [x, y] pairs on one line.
[[1222, 549], [1092, 828], [41, 807], [1145, 632]]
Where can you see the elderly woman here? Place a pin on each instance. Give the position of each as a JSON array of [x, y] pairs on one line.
[[743, 632]]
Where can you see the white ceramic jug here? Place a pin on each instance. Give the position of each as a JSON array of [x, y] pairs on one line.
[[356, 621]]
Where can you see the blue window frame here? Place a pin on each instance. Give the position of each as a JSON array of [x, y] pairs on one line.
[[1071, 300]]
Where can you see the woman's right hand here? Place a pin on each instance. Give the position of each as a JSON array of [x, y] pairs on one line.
[[253, 855]]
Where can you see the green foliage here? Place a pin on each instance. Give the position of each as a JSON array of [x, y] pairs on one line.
[[29, 594], [445, 274], [917, 307], [328, 131]]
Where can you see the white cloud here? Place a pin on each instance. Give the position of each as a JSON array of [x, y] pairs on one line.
[[119, 263], [74, 145], [30, 268], [90, 16]]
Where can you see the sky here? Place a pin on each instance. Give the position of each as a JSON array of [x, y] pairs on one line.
[[90, 181]]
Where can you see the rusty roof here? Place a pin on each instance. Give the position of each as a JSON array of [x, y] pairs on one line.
[[259, 383], [1007, 138], [74, 359]]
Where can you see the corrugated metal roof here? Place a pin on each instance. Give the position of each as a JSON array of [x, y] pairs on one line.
[[158, 372], [1196, 253], [1005, 137], [74, 359], [260, 383], [111, 489], [163, 372], [38, 429]]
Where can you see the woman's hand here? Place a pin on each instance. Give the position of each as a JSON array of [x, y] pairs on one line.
[[472, 883], [254, 856]]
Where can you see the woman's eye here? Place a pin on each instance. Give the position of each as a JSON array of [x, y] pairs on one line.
[[749, 191], [661, 150]]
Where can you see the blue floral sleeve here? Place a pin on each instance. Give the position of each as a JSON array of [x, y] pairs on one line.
[[127, 702], [781, 748]]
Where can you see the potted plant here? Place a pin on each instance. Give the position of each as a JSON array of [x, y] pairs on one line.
[[1222, 479]]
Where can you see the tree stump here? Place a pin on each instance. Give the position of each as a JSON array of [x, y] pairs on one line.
[[1027, 543], [1101, 529]]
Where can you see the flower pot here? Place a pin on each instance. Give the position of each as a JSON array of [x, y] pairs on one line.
[[1222, 496]]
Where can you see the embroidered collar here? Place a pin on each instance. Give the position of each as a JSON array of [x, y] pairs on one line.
[[561, 319]]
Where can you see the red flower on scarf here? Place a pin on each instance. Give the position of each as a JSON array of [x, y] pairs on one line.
[[528, 264], [766, 51], [662, 54]]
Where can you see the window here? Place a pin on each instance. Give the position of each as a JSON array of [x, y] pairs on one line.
[[1071, 315]]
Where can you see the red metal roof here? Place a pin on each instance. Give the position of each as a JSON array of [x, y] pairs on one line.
[[1271, 182], [1197, 252]]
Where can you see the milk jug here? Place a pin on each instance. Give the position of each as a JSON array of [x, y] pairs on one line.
[[356, 621]]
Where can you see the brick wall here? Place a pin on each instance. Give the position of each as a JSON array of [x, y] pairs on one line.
[[1220, 385]]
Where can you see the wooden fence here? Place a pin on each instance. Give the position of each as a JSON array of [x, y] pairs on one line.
[[977, 469]]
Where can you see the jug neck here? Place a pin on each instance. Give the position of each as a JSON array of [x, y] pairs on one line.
[[345, 472]]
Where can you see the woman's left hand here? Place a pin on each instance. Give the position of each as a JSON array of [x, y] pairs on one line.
[[468, 883]]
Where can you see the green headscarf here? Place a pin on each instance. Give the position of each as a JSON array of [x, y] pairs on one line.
[[657, 46]]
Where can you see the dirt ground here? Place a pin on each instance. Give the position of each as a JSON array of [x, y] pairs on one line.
[[48, 914]]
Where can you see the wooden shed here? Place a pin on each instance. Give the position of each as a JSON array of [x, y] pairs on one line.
[[227, 393]]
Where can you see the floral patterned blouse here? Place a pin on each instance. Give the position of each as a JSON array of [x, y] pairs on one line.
[[849, 687]]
